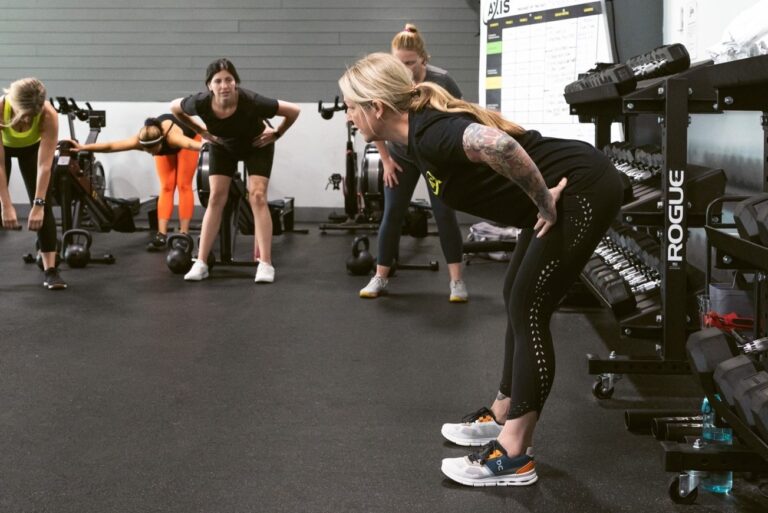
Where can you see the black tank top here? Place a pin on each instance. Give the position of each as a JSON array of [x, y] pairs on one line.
[[165, 149]]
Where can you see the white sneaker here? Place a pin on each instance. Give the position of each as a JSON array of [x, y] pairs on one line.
[[265, 273], [477, 428], [198, 272], [492, 467], [375, 288], [459, 292]]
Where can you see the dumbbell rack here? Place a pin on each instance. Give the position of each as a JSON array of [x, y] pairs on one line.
[[671, 99], [732, 252], [707, 88]]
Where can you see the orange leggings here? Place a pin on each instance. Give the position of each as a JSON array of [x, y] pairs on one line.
[[176, 171]]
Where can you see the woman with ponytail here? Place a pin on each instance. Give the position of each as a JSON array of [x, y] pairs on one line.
[[562, 193], [401, 175], [30, 131], [175, 148]]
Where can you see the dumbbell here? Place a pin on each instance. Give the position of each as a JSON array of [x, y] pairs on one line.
[[729, 372], [647, 287], [744, 393], [707, 348], [759, 408], [751, 218]]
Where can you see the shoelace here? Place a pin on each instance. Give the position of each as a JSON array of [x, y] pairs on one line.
[[487, 450], [476, 415]]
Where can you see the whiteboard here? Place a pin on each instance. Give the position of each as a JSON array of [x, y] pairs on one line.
[[530, 50]]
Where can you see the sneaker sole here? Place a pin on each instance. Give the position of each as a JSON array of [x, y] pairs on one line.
[[467, 442], [526, 479], [457, 299], [55, 287], [262, 280], [370, 295], [201, 278]]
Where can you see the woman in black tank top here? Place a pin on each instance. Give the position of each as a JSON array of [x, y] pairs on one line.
[[175, 148]]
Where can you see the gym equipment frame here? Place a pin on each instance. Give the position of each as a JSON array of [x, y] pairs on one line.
[[707, 88]]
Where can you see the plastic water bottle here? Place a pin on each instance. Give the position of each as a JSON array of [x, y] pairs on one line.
[[716, 482]]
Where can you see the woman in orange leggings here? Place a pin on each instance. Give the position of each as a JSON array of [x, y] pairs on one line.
[[175, 148]]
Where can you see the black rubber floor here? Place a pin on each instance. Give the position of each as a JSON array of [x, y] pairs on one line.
[[133, 391]]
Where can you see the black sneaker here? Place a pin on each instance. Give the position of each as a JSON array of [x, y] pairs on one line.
[[158, 243], [53, 279]]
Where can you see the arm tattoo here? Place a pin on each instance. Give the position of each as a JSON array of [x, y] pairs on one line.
[[503, 154]]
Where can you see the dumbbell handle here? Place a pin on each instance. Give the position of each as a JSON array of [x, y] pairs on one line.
[[759, 345], [651, 285]]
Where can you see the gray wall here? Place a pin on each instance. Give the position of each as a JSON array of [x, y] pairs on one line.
[[155, 50]]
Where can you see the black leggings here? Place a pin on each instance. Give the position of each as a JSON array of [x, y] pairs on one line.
[[27, 159], [539, 274]]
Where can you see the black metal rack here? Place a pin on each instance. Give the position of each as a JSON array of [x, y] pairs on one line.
[[671, 99], [703, 89]]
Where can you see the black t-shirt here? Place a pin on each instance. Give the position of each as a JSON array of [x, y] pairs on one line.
[[435, 141], [441, 77], [238, 130], [166, 149]]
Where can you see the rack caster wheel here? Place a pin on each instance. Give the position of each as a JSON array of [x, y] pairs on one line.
[[600, 391], [675, 492]]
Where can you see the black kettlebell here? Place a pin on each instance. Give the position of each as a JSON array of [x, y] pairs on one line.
[[361, 261], [179, 259], [416, 222], [77, 247]]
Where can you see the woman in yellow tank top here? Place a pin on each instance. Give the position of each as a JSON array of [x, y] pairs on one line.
[[30, 130]]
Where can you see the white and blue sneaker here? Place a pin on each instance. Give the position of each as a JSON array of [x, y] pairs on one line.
[[492, 467], [476, 429]]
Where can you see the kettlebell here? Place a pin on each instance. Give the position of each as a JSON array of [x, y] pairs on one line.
[[77, 247], [179, 258], [361, 261], [416, 222]]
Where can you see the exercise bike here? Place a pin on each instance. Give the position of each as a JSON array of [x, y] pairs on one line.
[[78, 187], [362, 186]]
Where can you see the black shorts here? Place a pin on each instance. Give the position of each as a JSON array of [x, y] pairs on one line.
[[258, 161]]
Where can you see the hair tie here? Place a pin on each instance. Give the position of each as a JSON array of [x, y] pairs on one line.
[[415, 92], [410, 29], [152, 122]]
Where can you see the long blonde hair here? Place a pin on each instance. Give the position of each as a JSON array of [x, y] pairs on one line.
[[410, 39], [382, 77], [26, 96]]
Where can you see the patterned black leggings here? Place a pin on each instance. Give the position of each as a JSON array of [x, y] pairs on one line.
[[539, 274]]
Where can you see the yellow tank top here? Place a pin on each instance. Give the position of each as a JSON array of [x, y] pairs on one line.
[[14, 139]]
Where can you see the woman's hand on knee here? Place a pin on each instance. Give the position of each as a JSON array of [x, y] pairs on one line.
[[391, 169]]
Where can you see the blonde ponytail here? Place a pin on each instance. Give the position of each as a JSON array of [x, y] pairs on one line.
[[428, 94], [382, 77]]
